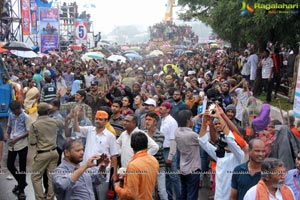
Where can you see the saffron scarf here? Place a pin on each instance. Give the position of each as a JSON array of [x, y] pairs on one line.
[[262, 192]]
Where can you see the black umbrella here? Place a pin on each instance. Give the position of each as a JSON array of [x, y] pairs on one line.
[[19, 46]]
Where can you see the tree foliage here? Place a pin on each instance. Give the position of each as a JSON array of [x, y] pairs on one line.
[[258, 27]]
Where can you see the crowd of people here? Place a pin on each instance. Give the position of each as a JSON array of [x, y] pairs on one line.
[[166, 121]]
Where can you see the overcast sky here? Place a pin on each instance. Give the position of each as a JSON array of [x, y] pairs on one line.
[[111, 13]]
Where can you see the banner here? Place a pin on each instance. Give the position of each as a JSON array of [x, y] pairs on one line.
[[33, 17], [49, 29], [296, 108], [25, 9], [81, 32]]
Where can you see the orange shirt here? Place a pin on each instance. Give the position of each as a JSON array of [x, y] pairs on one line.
[[140, 178]]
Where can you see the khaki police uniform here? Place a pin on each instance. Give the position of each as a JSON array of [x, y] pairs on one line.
[[43, 135]]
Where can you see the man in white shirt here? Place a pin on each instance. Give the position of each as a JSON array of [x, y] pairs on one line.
[[89, 77], [130, 125], [252, 61], [99, 140], [168, 128], [271, 186], [228, 154], [267, 74], [246, 68]]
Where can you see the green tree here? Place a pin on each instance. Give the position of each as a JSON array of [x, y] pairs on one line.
[[258, 27]]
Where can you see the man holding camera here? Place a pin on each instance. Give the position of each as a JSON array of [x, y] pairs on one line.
[[71, 179], [227, 153], [98, 140]]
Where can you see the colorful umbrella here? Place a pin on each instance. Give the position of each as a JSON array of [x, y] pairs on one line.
[[130, 51], [1, 49], [135, 48], [24, 54], [75, 47], [124, 48], [156, 53], [95, 55], [133, 56], [116, 58]]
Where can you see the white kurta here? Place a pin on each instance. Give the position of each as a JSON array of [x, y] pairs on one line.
[[225, 165], [125, 148], [251, 194]]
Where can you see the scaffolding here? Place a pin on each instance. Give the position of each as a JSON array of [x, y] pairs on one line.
[[68, 16], [10, 21], [67, 19]]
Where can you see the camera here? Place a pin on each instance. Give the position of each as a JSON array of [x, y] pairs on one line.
[[220, 151], [102, 157]]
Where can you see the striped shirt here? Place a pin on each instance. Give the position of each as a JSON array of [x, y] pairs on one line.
[[158, 137]]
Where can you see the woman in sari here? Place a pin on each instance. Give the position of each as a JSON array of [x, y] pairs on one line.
[[31, 98]]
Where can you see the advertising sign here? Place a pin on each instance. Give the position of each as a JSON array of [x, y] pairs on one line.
[[81, 32], [25, 17], [49, 29]]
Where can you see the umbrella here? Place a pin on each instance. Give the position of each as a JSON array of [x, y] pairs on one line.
[[156, 53], [1, 49], [179, 52], [85, 58], [177, 70], [189, 52], [135, 48], [130, 51], [75, 47], [95, 55], [19, 46], [150, 56], [214, 45], [24, 54], [116, 58], [133, 55], [124, 48]]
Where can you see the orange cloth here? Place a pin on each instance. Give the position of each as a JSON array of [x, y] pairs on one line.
[[213, 166], [140, 178], [101, 114], [190, 103], [295, 131], [239, 140], [262, 192]]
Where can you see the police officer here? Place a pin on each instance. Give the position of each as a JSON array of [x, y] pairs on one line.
[[43, 134], [49, 91]]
